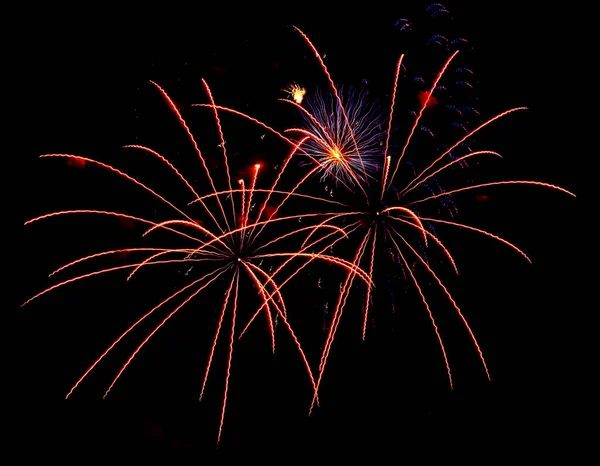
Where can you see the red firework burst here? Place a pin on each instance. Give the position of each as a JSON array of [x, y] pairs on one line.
[[386, 211]]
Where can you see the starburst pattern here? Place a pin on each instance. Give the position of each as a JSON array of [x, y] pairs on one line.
[[233, 247], [389, 217]]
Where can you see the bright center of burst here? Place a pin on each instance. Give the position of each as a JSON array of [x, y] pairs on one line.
[[336, 154]]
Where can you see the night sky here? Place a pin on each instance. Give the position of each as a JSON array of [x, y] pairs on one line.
[[89, 94]]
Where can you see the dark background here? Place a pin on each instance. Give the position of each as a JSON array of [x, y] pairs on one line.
[[87, 88]]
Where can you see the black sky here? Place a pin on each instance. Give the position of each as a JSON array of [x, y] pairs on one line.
[[86, 84]]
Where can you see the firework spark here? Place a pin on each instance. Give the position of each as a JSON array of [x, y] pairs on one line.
[[295, 92]]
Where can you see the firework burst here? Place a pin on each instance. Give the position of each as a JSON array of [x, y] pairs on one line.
[[228, 233], [389, 214], [231, 247], [347, 152]]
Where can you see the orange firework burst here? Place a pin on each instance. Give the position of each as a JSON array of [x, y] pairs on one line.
[[231, 246], [389, 215]]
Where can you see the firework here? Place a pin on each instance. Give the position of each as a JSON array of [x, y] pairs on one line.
[[231, 247], [345, 139], [295, 92], [389, 214], [347, 152]]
